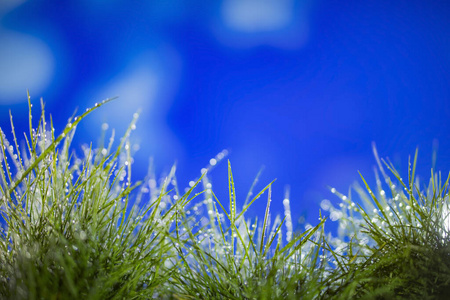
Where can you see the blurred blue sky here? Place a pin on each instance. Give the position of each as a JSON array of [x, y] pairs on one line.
[[302, 87]]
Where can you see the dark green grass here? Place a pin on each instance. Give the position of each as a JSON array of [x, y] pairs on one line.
[[76, 227]]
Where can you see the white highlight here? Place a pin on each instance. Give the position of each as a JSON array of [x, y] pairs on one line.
[[105, 126], [325, 204], [257, 15], [25, 63]]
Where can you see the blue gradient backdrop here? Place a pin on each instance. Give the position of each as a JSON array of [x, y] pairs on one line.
[[302, 87]]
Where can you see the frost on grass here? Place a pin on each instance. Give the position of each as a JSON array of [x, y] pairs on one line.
[[74, 225]]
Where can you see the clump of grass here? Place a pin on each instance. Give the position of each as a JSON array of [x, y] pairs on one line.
[[76, 226], [230, 257], [397, 239], [69, 230]]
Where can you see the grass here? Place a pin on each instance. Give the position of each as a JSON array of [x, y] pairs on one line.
[[77, 227]]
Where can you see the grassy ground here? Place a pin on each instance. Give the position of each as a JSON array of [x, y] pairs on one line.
[[76, 227]]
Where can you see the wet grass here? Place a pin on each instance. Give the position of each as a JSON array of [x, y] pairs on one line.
[[76, 227]]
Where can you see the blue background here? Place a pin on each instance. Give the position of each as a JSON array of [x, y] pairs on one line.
[[302, 87]]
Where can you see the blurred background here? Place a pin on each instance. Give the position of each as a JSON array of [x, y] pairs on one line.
[[300, 87]]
